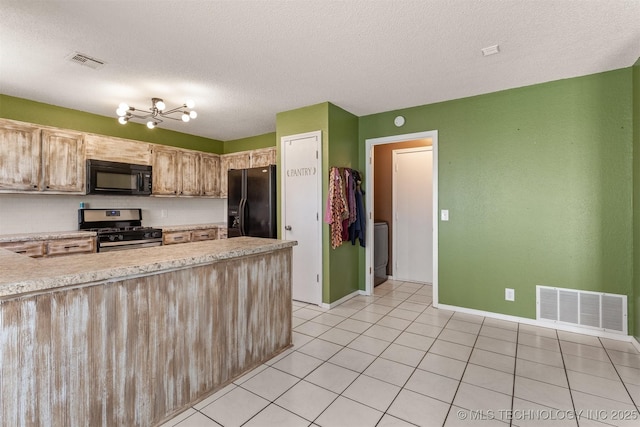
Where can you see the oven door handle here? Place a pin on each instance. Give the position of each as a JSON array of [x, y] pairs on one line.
[[128, 242]]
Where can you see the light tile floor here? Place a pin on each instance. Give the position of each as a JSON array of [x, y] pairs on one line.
[[393, 360]]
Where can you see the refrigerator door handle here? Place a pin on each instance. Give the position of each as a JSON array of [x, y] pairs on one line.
[[243, 203]]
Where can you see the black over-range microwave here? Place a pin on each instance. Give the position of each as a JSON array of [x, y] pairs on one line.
[[114, 178]]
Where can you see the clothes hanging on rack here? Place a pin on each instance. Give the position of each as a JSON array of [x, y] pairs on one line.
[[345, 208]]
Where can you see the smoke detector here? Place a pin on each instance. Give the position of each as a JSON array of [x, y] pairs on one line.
[[490, 50], [86, 60]]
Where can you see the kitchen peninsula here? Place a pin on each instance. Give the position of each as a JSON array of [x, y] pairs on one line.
[[132, 337]]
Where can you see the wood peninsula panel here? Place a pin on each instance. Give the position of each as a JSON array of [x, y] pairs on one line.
[[136, 351]]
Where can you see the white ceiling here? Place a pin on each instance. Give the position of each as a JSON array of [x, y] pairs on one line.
[[244, 61]]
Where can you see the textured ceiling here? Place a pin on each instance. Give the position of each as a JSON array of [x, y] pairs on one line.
[[244, 61]]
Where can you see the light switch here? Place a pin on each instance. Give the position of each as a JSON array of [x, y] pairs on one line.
[[444, 215]]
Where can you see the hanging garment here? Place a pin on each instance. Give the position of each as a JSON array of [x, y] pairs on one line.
[[336, 205], [357, 230]]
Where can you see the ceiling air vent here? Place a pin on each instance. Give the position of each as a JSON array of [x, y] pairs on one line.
[[87, 61]]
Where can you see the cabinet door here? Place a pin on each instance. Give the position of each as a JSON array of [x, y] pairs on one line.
[[165, 171], [189, 173], [210, 175], [63, 161], [20, 157], [240, 160], [263, 157]]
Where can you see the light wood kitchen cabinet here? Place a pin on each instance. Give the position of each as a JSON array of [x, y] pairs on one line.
[[119, 150], [222, 232], [263, 157], [189, 174], [35, 158], [63, 161], [71, 246], [54, 247], [34, 249], [176, 172], [210, 174], [165, 171], [206, 234], [20, 157], [173, 237], [239, 160]]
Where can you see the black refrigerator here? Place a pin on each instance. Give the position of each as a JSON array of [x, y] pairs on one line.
[[251, 202]]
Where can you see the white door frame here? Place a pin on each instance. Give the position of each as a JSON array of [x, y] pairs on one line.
[[370, 143], [283, 141], [394, 154]]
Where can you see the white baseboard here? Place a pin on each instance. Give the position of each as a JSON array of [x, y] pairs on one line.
[[341, 300], [534, 322]]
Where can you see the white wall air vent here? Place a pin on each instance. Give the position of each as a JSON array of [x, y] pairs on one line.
[[593, 310], [87, 61]]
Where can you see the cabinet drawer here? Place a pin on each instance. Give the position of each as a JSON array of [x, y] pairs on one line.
[[32, 249], [71, 246], [176, 237], [208, 234]]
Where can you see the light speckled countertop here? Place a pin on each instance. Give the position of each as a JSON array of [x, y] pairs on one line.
[[20, 274], [185, 227]]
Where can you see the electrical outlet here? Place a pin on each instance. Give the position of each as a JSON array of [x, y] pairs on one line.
[[509, 294], [163, 213]]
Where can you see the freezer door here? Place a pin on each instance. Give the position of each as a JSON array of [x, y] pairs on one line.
[[260, 206], [235, 199]]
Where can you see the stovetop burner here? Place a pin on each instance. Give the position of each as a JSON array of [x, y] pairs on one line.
[[119, 228]]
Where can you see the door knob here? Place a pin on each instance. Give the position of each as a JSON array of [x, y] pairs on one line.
[[287, 227]]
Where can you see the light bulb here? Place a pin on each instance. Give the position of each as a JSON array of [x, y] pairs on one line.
[[123, 106], [123, 120], [151, 124], [160, 105], [185, 117], [193, 114], [190, 103], [121, 111]]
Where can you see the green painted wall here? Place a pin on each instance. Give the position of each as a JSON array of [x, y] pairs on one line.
[[51, 115], [251, 143], [343, 267], [340, 267], [635, 296], [538, 182]]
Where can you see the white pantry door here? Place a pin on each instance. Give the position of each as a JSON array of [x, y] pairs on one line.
[[413, 214], [302, 212]]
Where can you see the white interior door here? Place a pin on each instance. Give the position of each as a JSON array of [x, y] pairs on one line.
[[413, 214], [301, 211]]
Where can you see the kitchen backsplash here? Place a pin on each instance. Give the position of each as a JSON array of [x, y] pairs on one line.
[[26, 213]]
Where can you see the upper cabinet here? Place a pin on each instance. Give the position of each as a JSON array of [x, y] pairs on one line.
[[20, 157], [263, 157], [34, 158], [178, 172], [210, 172], [241, 160], [63, 161], [112, 149]]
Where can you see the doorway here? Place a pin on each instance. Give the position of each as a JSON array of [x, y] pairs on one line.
[[301, 178], [412, 214], [370, 144]]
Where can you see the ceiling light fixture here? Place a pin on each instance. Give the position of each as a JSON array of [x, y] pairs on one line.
[[156, 113]]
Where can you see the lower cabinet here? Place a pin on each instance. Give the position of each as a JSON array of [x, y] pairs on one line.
[[173, 237], [42, 248], [208, 234]]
